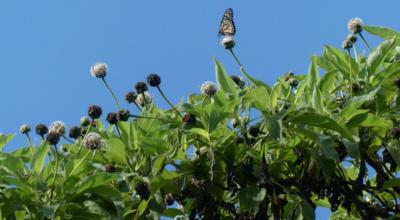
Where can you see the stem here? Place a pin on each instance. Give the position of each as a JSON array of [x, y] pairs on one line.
[[112, 93], [365, 42], [146, 117], [355, 52], [55, 172], [119, 133], [286, 98], [349, 58], [29, 139], [169, 103], [77, 166], [69, 140], [87, 132], [137, 106], [240, 65]]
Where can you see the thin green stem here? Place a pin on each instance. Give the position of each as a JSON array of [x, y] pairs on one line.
[[349, 59], [137, 106], [55, 172], [67, 139], [355, 53], [167, 100], [240, 65], [77, 166], [29, 139], [146, 117], [112, 93], [119, 133], [365, 41], [286, 98]]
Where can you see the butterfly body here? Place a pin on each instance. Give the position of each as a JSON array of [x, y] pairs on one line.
[[227, 25]]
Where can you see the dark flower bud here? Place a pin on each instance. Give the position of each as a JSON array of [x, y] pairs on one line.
[[75, 132], [355, 87], [25, 129], [112, 118], [142, 189], [352, 38], [189, 118], [53, 138], [254, 130], [123, 115], [109, 168], [141, 87], [169, 199], [293, 82], [395, 132], [347, 44], [41, 129], [397, 83], [153, 80], [238, 81], [94, 111], [228, 42], [85, 121], [130, 97]]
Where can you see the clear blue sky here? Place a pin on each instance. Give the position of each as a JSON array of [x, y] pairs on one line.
[[47, 48]]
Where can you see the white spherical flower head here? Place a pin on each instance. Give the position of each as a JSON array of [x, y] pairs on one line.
[[58, 127], [143, 100], [208, 88], [24, 129], [93, 141], [355, 25], [99, 70], [228, 42]]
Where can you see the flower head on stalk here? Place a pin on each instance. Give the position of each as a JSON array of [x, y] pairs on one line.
[[57, 127], [99, 70], [208, 88], [355, 25], [25, 129], [143, 99], [93, 141]]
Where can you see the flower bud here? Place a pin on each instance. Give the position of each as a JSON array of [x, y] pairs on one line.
[[347, 44], [228, 42], [208, 89], [189, 118], [94, 111], [99, 70], [355, 87], [130, 97], [41, 129], [397, 83], [141, 87], [75, 132], [153, 80], [395, 132], [352, 38], [143, 99], [123, 115], [25, 129], [93, 141], [293, 82], [112, 118], [57, 127], [355, 25], [85, 121], [142, 189], [169, 199], [254, 130], [109, 168], [238, 81], [53, 137]]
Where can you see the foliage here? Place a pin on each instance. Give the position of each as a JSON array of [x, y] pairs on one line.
[[255, 152]]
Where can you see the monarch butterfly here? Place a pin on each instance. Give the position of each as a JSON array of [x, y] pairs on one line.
[[227, 26]]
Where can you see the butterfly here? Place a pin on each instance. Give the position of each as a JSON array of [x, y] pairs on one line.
[[227, 26]]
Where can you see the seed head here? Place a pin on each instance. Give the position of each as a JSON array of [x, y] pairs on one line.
[[99, 70], [395, 132], [93, 141], [293, 82], [53, 137], [57, 127], [352, 38], [347, 44], [238, 81], [228, 42], [75, 132], [153, 80], [355, 25], [355, 87], [112, 118], [130, 97], [109, 168], [41, 129], [94, 111], [189, 118], [208, 88], [141, 87], [123, 115], [254, 130], [142, 189], [85, 121], [25, 129], [397, 83], [143, 99]]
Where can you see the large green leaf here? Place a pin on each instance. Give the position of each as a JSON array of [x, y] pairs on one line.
[[4, 139], [116, 151], [384, 32], [250, 198], [225, 83], [39, 157], [95, 181], [377, 56]]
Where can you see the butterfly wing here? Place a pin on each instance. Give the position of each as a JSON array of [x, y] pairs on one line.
[[227, 26]]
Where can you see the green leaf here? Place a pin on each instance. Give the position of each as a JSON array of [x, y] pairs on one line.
[[307, 210], [384, 32], [313, 73], [327, 82], [163, 179], [95, 181], [322, 121], [377, 56], [39, 157], [20, 215], [225, 83], [172, 212], [116, 151], [391, 183], [4, 139], [254, 80], [201, 132], [250, 198], [369, 120]]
